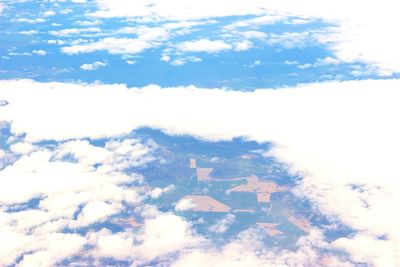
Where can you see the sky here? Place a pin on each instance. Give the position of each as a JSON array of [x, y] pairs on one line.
[[318, 80]]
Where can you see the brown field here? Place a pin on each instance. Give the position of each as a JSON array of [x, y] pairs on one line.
[[270, 228], [301, 223], [203, 174], [263, 197], [192, 163], [207, 203], [263, 189]]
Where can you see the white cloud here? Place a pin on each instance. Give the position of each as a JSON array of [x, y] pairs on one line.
[[291, 62], [39, 52], [160, 235], [49, 13], [95, 211], [89, 22], [222, 225], [37, 172], [118, 246], [204, 45], [293, 39], [66, 11], [368, 249], [19, 54], [93, 66], [74, 31], [341, 136], [326, 61], [165, 58], [258, 21], [185, 204], [146, 38], [177, 9], [30, 21], [248, 250], [117, 155], [305, 66], [21, 148], [254, 64], [164, 234], [183, 60], [178, 62], [29, 32], [361, 31], [359, 35], [243, 45], [59, 42], [56, 247], [254, 35], [111, 45], [64, 177], [318, 63], [158, 192]]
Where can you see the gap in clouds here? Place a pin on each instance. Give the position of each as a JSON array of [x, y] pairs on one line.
[[318, 141], [169, 165]]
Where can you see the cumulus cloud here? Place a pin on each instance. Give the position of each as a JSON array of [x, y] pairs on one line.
[[258, 21], [93, 66], [185, 204], [95, 211], [76, 184], [21, 148], [29, 32], [326, 61], [351, 33], [158, 192], [222, 225], [340, 136], [160, 235], [177, 9], [31, 21], [111, 45], [243, 45], [74, 31], [204, 45], [53, 248], [181, 61], [164, 234], [49, 13], [356, 34], [248, 250], [145, 38], [39, 52]]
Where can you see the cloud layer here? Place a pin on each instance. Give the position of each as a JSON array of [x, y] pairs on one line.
[[341, 136], [363, 31]]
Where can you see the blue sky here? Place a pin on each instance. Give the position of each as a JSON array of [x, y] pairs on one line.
[[104, 101]]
